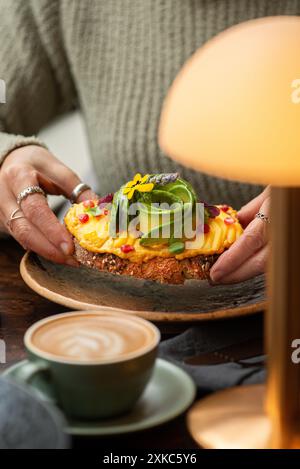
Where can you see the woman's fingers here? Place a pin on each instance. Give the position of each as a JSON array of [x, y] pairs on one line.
[[54, 176], [64, 179], [39, 230], [248, 211], [59, 186], [59, 179], [37, 211], [87, 195], [3, 228], [31, 238], [250, 242], [28, 235], [255, 265]]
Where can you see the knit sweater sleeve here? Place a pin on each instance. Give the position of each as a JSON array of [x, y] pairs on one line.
[[35, 70]]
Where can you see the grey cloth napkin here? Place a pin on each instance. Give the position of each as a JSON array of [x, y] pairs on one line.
[[220, 354], [26, 422]]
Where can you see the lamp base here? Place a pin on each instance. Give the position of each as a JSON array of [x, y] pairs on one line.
[[231, 419]]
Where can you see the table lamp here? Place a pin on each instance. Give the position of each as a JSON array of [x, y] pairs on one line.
[[234, 111]]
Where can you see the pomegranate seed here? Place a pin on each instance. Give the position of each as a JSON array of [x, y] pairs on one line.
[[225, 208], [83, 217], [229, 220], [106, 199], [88, 204], [127, 248], [105, 211], [206, 228]]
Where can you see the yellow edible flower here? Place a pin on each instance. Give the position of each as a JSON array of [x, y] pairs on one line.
[[138, 183]]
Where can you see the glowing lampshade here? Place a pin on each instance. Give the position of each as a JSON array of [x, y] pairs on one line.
[[234, 109]]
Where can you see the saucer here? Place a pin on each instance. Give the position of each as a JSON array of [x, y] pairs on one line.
[[169, 393]]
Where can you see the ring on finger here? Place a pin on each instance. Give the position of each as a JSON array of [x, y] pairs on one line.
[[262, 217], [14, 216], [78, 190], [29, 191]]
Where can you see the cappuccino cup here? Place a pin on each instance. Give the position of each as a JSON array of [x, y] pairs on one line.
[[96, 363]]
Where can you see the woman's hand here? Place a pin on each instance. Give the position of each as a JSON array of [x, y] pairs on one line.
[[39, 230], [247, 256]]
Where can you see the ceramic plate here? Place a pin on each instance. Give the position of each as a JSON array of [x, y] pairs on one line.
[[82, 288], [169, 393]]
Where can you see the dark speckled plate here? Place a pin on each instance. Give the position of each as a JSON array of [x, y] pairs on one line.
[[82, 288]]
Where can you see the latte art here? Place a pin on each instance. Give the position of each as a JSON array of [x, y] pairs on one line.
[[92, 337]]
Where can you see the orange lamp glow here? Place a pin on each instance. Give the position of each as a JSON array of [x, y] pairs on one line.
[[234, 109]]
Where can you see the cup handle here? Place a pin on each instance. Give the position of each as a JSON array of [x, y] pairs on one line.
[[28, 371]]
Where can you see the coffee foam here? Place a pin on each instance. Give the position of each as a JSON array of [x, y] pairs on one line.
[[89, 337]]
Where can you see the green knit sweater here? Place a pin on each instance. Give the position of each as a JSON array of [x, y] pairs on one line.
[[115, 60]]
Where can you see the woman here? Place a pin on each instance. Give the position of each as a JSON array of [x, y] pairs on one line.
[[115, 60]]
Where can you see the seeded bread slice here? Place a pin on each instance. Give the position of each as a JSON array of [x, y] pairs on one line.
[[160, 269]]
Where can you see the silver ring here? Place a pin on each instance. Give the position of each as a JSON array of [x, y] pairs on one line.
[[77, 191], [263, 217], [14, 216], [28, 191]]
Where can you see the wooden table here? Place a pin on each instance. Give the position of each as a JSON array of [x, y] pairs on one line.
[[19, 308]]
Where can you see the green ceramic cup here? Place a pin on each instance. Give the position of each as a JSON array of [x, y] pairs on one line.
[[101, 388]]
